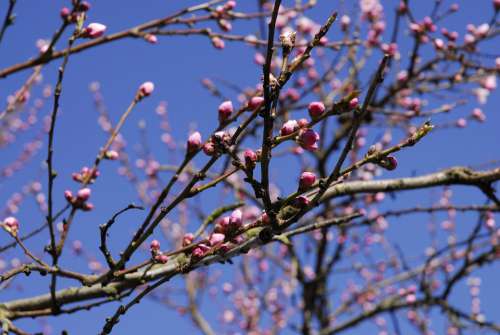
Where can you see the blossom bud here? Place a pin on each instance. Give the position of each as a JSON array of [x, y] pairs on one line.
[[94, 30], [161, 258], [255, 102], [461, 123], [478, 114], [225, 110], [289, 127], [69, 196], [307, 180], [388, 163], [236, 218], [209, 148], [154, 246], [111, 155], [315, 109], [302, 201], [11, 224], [288, 40], [83, 194], [353, 103], [187, 239], [151, 38], [230, 5], [146, 89], [65, 13], [216, 238], [194, 142], [308, 140], [250, 158], [218, 43]]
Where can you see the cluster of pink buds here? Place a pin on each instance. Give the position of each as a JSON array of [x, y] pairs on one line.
[[307, 180], [228, 6], [427, 25], [69, 16], [225, 111], [80, 200], [308, 139], [11, 225], [219, 139], [316, 109], [157, 255], [229, 224], [194, 142], [145, 89], [85, 175], [94, 30]]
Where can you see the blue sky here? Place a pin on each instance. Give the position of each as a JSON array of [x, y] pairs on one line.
[[177, 65]]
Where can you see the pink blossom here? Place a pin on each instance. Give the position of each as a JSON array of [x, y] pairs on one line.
[[353, 103], [303, 123], [65, 12], [209, 148], [154, 246], [146, 88], [308, 140], [216, 238], [307, 179], [230, 5], [187, 239], [289, 127], [255, 102], [111, 155], [218, 43], [194, 142], [94, 30], [315, 109], [151, 38], [161, 258], [236, 218], [83, 194], [250, 158], [461, 123], [225, 110], [478, 114], [11, 224]]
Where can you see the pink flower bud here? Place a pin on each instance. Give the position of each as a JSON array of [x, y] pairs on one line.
[[83, 194], [315, 109], [216, 238], [218, 43], [308, 140], [225, 110], [302, 123], [236, 218], [307, 179], [478, 114], [198, 252], [390, 163], [69, 196], [154, 246], [255, 102], [146, 88], [94, 30], [353, 103], [289, 127], [439, 44], [111, 155], [65, 12], [209, 148], [11, 225], [344, 22], [151, 38], [230, 5], [187, 239], [194, 142], [461, 123], [161, 258], [250, 158]]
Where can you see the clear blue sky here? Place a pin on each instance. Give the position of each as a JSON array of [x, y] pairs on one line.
[[176, 66]]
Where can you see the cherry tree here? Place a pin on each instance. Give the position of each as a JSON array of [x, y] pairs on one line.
[[283, 212]]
